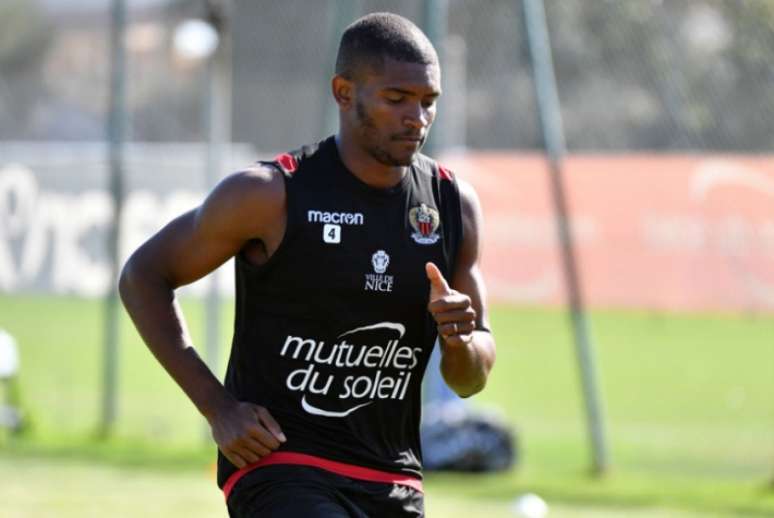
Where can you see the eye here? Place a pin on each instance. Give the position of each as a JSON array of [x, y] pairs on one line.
[[428, 103], [394, 99]]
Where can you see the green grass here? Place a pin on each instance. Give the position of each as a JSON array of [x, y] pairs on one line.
[[79, 489], [689, 401]]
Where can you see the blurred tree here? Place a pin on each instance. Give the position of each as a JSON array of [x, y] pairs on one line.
[[25, 37], [645, 74], [665, 75], [749, 64]]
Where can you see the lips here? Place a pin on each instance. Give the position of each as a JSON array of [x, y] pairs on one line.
[[415, 139]]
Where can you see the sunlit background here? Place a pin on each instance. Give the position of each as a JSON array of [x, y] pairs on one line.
[[624, 156]]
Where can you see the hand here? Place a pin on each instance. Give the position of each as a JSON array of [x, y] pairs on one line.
[[245, 433], [451, 310]]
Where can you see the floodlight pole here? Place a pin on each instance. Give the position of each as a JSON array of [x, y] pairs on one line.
[[435, 25], [218, 127], [343, 13], [435, 21], [553, 135], [117, 136]]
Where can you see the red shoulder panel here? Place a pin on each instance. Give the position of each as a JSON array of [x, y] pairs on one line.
[[444, 173], [287, 161]]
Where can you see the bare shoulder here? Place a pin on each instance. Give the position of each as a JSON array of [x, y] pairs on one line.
[[249, 200], [470, 205], [258, 183]]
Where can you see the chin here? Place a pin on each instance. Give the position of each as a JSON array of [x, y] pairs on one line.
[[403, 160], [404, 157], [392, 159]]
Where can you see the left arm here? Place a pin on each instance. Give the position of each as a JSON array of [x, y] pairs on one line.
[[467, 345]]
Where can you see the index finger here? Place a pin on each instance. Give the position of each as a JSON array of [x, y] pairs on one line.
[[450, 302], [266, 419], [262, 435]]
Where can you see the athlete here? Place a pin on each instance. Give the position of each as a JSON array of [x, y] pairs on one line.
[[352, 256]]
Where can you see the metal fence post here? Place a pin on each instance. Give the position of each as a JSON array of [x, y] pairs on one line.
[[117, 136], [553, 134], [435, 14], [218, 121]]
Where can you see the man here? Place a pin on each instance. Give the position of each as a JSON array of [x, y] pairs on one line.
[[342, 254]]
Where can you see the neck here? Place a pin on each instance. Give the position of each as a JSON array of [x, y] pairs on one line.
[[365, 167]]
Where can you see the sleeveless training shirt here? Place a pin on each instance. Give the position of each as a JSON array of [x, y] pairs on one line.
[[332, 335]]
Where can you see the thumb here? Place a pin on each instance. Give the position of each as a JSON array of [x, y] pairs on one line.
[[438, 285]]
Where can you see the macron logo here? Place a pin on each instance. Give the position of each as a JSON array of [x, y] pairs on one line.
[[339, 218]]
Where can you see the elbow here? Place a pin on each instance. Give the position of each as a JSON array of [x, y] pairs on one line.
[[466, 388], [467, 392], [478, 383], [127, 280], [470, 378], [136, 277]]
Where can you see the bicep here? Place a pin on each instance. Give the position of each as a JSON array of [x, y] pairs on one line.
[[197, 242], [467, 277], [183, 251]]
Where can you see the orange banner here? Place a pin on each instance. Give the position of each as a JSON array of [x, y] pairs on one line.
[[676, 232]]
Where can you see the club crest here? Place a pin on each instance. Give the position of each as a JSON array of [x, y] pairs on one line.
[[380, 260], [425, 221], [379, 280]]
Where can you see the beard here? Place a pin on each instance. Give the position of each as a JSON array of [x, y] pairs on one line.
[[374, 145]]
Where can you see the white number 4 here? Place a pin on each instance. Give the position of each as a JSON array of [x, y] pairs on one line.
[[332, 233]]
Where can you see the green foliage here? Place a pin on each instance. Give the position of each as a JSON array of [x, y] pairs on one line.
[[692, 74], [25, 39], [24, 35]]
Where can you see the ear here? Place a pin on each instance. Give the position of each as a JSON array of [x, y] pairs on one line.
[[343, 91]]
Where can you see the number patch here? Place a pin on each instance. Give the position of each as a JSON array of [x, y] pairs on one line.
[[332, 233]]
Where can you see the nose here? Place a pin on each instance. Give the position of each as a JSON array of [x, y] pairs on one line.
[[417, 117]]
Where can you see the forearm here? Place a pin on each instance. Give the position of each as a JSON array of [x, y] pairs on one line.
[[152, 305], [466, 367]]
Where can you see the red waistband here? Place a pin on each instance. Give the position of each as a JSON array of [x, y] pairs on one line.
[[340, 468]]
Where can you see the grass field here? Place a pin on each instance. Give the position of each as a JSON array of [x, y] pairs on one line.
[[689, 405]]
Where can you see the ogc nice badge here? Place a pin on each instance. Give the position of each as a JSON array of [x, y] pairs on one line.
[[425, 221]]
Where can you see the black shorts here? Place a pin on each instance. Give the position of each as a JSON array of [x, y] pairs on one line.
[[284, 491]]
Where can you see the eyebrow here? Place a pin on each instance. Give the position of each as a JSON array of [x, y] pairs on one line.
[[409, 92]]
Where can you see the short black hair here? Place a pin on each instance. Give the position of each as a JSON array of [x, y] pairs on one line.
[[368, 40]]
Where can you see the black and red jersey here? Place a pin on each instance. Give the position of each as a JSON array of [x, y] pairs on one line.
[[332, 334]]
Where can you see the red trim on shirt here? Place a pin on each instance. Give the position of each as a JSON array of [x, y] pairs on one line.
[[287, 161], [340, 468], [444, 173]]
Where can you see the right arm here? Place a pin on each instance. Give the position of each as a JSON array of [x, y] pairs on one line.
[[242, 207]]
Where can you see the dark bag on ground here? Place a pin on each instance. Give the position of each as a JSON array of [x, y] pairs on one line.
[[456, 437]]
